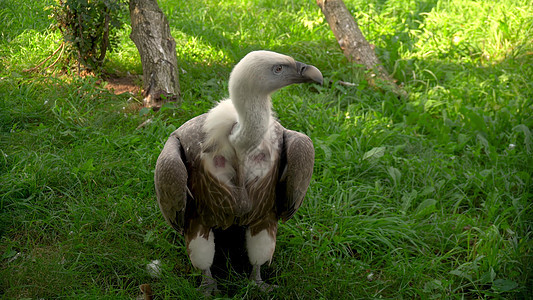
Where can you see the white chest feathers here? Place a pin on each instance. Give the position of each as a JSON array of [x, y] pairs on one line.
[[224, 161]]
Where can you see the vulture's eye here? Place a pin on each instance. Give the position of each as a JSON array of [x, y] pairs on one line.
[[278, 69]]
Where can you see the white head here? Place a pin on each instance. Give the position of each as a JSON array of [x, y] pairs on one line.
[[254, 78], [260, 73]]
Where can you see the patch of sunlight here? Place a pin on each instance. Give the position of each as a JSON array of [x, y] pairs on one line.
[[311, 20], [28, 48], [473, 30], [196, 50]]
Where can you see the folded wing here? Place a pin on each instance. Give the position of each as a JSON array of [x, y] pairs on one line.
[[296, 167], [171, 183]]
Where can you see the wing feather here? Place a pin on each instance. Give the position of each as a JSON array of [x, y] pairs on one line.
[[171, 183], [296, 168]]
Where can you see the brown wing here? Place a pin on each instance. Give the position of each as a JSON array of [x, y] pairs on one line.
[[296, 167], [171, 183]]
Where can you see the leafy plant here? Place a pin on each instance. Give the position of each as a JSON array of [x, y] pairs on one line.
[[89, 27]]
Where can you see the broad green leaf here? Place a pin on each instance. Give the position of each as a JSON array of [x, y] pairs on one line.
[[426, 207], [374, 153], [461, 274], [427, 190], [504, 285], [395, 174], [144, 111], [407, 199]]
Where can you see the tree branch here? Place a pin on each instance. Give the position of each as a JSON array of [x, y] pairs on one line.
[[354, 45], [61, 46]]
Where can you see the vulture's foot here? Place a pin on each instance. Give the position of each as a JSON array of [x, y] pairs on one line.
[[265, 287], [256, 277], [208, 287]]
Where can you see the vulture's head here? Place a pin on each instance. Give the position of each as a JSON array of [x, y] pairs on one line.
[[260, 73]]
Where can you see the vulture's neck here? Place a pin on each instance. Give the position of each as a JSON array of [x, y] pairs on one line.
[[254, 113]]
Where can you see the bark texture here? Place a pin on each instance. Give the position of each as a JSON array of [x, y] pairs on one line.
[[157, 48], [352, 42]]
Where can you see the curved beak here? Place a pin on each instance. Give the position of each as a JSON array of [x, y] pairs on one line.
[[309, 73]]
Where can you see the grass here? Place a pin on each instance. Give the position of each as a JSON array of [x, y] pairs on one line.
[[429, 197]]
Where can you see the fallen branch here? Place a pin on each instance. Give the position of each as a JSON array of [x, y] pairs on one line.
[[61, 47], [345, 83], [146, 292], [57, 59]]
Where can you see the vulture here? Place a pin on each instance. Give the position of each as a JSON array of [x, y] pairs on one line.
[[236, 165]]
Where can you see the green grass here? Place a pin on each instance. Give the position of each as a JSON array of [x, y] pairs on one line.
[[428, 197]]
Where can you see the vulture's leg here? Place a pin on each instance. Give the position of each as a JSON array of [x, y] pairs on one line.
[[260, 247], [201, 249], [209, 284]]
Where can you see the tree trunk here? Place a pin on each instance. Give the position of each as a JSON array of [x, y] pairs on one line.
[[151, 34], [352, 42]]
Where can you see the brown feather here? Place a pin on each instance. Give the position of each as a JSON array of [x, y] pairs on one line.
[[297, 160], [218, 205]]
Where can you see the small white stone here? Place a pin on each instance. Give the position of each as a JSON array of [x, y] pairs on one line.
[[370, 277], [154, 268], [512, 146]]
